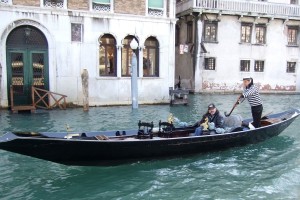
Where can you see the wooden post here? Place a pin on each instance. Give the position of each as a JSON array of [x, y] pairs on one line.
[[85, 89]]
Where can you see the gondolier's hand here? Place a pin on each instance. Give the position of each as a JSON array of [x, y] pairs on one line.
[[239, 99]]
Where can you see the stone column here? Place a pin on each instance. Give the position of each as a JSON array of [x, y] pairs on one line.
[[85, 89], [119, 61], [140, 60]]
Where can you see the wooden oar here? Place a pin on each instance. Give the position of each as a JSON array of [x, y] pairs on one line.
[[236, 103]]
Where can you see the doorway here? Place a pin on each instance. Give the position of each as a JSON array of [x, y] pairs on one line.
[[27, 63]]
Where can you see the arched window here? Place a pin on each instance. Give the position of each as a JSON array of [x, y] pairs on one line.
[[151, 57], [127, 56], [107, 56]]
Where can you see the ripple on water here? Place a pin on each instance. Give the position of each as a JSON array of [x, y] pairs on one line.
[[268, 170]]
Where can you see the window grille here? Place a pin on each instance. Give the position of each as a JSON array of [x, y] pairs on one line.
[[156, 7], [291, 67], [101, 5], [260, 34], [54, 3], [76, 32], [5, 1], [292, 36], [259, 66], [245, 66], [246, 33], [210, 63], [210, 31]]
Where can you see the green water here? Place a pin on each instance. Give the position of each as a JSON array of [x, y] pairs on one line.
[[268, 170]]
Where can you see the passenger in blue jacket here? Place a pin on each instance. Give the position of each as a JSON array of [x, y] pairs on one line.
[[212, 115]]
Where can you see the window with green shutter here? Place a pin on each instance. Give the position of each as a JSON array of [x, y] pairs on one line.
[[156, 7], [156, 4], [102, 5], [101, 1]]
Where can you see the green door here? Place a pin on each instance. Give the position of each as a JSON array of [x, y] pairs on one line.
[[27, 68], [27, 63]]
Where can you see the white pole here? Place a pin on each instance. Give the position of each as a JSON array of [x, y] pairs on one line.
[[134, 82]]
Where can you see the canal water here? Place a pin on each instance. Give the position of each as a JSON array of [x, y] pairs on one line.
[[268, 170]]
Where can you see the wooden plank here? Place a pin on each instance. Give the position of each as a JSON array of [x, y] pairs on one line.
[[16, 109]]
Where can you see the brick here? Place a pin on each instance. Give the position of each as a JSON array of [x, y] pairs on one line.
[[27, 2], [135, 7], [78, 4]]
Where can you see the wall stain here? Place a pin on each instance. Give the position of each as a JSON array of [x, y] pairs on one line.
[[207, 85]]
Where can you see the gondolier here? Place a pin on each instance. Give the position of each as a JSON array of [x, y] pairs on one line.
[[251, 92]]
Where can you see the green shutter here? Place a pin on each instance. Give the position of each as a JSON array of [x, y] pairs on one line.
[[156, 4], [102, 1]]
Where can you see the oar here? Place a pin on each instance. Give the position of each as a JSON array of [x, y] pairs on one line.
[[236, 103]]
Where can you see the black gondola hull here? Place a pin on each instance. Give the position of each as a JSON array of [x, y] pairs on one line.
[[110, 152]]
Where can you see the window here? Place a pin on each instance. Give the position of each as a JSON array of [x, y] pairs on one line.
[[54, 3], [156, 7], [127, 56], [210, 31], [246, 31], [151, 57], [259, 66], [260, 32], [76, 32], [107, 56], [292, 35], [294, 1], [6, 1], [101, 5], [291, 67], [177, 35], [189, 32], [209, 63], [245, 65]]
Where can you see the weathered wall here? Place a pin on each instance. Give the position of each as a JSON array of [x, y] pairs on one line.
[[184, 62], [67, 59], [228, 52]]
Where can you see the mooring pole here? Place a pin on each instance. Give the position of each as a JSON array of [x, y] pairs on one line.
[[134, 80], [85, 89]]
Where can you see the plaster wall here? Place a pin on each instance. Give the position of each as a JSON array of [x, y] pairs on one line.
[[229, 51], [67, 59]]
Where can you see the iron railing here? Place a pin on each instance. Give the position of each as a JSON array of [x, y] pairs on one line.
[[241, 6]]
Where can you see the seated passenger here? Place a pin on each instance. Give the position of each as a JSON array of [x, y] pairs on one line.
[[212, 121]]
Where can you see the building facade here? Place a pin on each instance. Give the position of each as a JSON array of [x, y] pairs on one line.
[[48, 43], [218, 42]]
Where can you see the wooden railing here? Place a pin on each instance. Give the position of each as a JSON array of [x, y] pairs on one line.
[[265, 8], [42, 99]]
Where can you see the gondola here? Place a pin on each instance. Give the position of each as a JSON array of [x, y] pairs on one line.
[[144, 143]]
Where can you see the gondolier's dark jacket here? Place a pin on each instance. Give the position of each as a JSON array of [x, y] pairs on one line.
[[217, 118]]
